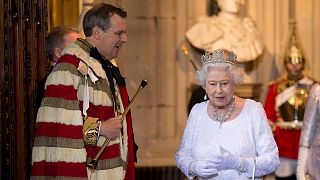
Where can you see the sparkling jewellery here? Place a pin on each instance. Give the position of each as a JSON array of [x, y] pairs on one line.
[[221, 117], [218, 56]]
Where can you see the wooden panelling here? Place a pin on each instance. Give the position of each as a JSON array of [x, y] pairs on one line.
[[63, 13], [23, 64]]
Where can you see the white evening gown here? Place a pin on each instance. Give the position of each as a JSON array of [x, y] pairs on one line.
[[248, 135]]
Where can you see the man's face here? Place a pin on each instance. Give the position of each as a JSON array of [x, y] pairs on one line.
[[294, 70], [113, 38], [67, 39], [70, 38]]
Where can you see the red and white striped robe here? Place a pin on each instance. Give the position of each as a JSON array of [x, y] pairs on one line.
[[59, 151]]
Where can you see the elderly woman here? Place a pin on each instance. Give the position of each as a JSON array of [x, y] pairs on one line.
[[226, 137]]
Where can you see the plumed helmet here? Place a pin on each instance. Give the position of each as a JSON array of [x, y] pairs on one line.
[[294, 54]]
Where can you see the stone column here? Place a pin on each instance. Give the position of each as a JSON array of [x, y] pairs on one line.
[[84, 6]]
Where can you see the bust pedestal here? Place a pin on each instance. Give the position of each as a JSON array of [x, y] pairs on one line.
[[249, 90]]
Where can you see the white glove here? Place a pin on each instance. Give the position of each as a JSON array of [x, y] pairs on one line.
[[230, 161], [203, 168], [302, 163]]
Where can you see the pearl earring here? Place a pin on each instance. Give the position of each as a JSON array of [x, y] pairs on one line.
[[205, 97]]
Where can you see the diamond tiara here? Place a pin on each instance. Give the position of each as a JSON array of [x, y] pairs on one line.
[[219, 56]]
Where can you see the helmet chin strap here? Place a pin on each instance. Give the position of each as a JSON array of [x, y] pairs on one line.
[[295, 78]]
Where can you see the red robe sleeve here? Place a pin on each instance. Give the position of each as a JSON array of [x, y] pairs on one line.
[[130, 167]]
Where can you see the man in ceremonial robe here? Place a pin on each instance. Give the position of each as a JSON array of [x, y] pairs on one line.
[[85, 96]]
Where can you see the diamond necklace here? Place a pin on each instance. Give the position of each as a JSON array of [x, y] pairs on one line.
[[221, 117]]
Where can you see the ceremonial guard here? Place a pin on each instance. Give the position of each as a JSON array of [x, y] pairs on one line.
[[285, 106]]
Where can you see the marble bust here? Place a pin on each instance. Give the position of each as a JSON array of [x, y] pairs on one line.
[[227, 31]]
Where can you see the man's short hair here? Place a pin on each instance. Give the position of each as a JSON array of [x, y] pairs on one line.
[[99, 16]]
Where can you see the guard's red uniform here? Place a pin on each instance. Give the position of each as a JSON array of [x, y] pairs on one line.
[[287, 139]]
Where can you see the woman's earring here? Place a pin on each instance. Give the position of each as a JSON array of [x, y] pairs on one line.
[[205, 97]]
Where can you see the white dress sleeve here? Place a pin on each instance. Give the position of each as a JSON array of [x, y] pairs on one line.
[[308, 131], [267, 158]]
